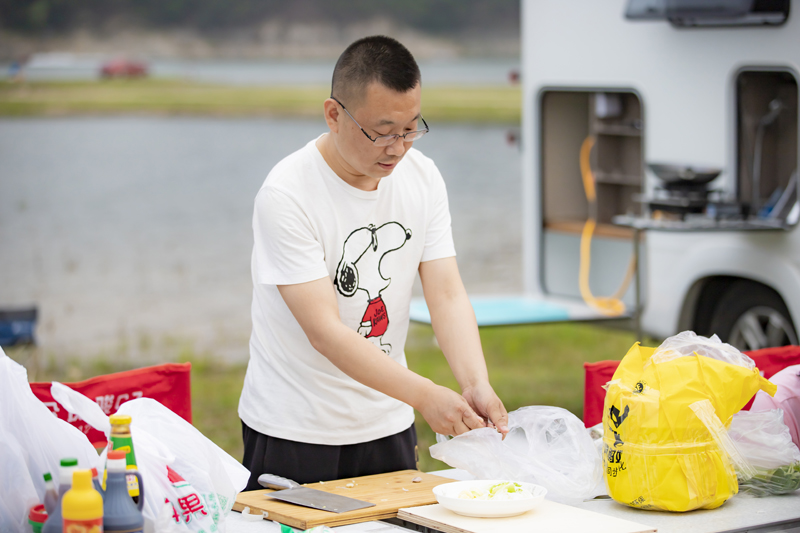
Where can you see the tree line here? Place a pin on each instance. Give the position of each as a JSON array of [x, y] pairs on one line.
[[430, 16]]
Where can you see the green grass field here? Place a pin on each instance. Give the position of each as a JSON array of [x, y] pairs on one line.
[[500, 104], [528, 365]]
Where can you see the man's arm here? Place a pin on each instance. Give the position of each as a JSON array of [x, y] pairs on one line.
[[456, 330], [314, 306]]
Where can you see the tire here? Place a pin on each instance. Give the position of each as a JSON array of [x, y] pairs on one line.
[[751, 316]]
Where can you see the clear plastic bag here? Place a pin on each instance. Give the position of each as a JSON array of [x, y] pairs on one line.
[[706, 413], [759, 447], [765, 442], [202, 480], [548, 446], [34, 442], [688, 343]]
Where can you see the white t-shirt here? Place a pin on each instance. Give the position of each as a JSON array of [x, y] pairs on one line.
[[308, 224]]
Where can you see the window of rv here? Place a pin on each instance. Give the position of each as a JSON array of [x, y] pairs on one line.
[[766, 141]]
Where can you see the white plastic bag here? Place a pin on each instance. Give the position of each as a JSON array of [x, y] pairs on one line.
[[162, 439], [35, 440], [548, 446], [765, 442], [688, 343], [17, 493], [787, 398], [764, 438]]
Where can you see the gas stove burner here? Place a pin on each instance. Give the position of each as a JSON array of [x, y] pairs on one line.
[[680, 200], [692, 193], [684, 189], [680, 206], [683, 176]]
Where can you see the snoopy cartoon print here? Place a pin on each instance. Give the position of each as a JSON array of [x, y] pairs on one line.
[[359, 269]]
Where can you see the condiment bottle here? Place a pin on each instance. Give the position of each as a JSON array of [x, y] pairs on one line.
[[68, 466], [82, 506], [54, 520], [36, 518], [121, 440], [50, 493], [120, 514]]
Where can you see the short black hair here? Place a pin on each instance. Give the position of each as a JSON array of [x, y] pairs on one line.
[[376, 58]]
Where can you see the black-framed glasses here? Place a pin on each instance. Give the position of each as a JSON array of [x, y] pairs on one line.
[[386, 140]]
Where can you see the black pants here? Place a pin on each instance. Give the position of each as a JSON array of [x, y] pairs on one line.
[[309, 463]]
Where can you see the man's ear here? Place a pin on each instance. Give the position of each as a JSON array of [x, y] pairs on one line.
[[332, 114]]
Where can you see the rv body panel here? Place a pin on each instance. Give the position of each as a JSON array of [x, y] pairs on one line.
[[677, 261], [685, 79]]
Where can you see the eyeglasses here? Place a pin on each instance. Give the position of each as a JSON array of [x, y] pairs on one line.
[[386, 140]]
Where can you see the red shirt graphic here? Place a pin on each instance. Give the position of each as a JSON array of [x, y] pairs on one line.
[[377, 316]]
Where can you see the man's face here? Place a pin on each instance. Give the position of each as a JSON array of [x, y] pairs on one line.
[[381, 111]]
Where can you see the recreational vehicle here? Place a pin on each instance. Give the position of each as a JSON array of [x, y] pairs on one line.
[[670, 125]]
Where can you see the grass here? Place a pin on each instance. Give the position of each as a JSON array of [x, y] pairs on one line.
[[500, 104], [528, 365]]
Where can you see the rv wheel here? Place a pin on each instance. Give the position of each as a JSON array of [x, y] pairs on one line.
[[750, 316]]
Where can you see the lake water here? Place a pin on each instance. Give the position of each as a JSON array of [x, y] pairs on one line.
[[459, 72], [133, 235]]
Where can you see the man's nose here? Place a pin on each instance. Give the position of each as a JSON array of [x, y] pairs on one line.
[[397, 148]]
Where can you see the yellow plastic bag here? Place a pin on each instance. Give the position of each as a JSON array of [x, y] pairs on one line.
[[657, 453]]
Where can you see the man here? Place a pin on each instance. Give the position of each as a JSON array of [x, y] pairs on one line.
[[341, 228]]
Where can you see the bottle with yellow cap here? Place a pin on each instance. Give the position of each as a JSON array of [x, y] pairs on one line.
[[82, 506], [120, 439]]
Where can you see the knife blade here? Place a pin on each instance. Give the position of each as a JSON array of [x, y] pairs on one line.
[[292, 492]]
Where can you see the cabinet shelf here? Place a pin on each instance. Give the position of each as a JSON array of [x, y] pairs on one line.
[[617, 178], [575, 227]]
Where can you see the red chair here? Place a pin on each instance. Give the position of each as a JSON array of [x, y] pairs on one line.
[[769, 361], [596, 375], [168, 383]]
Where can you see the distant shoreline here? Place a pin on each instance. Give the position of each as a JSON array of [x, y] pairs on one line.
[[274, 40], [483, 104]]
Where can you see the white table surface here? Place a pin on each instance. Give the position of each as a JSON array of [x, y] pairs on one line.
[[740, 513]]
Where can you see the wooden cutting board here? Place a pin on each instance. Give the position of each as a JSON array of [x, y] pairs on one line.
[[389, 492], [547, 517]]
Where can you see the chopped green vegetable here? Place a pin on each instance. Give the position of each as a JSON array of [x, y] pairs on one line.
[[507, 490], [508, 487], [782, 480]]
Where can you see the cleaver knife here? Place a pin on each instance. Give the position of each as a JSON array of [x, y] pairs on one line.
[[292, 492]]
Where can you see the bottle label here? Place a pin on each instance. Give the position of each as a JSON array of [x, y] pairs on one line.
[[126, 443], [83, 526], [133, 483]]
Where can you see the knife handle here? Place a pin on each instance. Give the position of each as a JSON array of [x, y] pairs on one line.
[[271, 481]]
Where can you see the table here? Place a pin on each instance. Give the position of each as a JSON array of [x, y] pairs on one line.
[[740, 514]]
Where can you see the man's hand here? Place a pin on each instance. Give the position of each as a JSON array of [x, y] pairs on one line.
[[447, 412], [486, 404]]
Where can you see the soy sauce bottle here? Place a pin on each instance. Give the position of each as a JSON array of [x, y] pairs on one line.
[[120, 439]]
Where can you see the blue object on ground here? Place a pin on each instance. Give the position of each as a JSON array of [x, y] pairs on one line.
[[498, 311], [16, 326]]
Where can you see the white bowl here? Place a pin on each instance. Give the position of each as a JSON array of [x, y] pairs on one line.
[[447, 495]]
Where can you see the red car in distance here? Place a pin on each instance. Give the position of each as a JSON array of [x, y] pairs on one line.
[[123, 68]]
